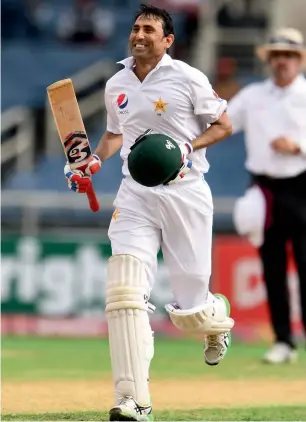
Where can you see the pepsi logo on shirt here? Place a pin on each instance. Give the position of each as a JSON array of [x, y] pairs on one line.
[[122, 102]]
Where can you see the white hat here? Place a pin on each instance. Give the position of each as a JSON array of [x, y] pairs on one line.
[[249, 215], [285, 39]]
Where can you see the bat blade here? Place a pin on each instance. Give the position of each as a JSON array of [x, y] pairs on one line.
[[71, 129]]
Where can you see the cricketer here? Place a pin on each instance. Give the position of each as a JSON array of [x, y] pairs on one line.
[[175, 100]]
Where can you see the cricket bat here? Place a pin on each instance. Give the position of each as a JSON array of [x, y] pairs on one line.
[[71, 130]]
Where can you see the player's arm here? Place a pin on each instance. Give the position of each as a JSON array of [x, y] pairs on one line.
[[218, 130], [109, 144], [211, 110], [111, 141]]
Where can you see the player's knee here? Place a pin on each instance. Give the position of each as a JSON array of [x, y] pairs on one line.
[[130, 335], [199, 320], [127, 285], [196, 293], [193, 278]]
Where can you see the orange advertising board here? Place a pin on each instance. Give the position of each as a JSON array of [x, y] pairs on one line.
[[237, 274]]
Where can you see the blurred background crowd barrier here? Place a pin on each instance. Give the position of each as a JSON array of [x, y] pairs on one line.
[[54, 249]]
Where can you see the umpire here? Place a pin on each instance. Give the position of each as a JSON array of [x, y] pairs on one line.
[[272, 113]]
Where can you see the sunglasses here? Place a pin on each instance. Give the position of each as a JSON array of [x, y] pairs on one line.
[[286, 54]]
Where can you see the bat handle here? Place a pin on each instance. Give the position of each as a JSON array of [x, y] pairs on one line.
[[92, 199]]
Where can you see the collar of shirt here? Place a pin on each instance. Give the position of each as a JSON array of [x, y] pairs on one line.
[[129, 62], [292, 88]]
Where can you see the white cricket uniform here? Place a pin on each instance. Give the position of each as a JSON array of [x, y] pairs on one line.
[[177, 100], [265, 111]]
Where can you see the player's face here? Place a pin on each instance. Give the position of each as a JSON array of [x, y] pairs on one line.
[[147, 39], [285, 65]]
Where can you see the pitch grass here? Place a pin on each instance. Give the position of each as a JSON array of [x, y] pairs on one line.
[[56, 358], [251, 414], [25, 358]]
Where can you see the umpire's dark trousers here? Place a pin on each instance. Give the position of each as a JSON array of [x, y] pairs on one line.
[[286, 221]]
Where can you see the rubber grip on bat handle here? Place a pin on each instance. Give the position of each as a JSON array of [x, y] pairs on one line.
[[92, 199]]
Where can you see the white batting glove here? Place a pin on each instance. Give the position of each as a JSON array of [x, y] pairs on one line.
[[186, 149]]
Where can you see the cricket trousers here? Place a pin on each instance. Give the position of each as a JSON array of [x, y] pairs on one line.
[[176, 218], [287, 224]]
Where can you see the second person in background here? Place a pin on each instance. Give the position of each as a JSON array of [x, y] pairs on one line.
[[272, 114]]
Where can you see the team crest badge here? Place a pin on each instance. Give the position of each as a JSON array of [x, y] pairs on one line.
[[160, 106]]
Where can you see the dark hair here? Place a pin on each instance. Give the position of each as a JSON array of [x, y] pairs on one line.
[[161, 14]]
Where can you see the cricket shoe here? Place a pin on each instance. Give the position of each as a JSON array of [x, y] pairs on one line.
[[129, 410], [216, 346], [280, 353]]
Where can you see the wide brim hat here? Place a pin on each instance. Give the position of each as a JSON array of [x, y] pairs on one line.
[[285, 39]]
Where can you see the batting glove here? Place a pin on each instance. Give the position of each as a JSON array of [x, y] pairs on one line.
[[79, 180], [186, 149], [94, 166]]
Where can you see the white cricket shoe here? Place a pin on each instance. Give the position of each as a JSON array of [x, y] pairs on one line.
[[280, 353], [216, 346], [129, 410]]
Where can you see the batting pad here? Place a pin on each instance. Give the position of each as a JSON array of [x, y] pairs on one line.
[[130, 334], [208, 320]]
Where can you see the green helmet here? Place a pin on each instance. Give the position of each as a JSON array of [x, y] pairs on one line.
[[154, 159]]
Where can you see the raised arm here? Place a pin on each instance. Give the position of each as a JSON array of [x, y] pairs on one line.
[[109, 144], [111, 141]]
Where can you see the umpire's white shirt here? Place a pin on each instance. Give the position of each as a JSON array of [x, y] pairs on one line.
[[264, 112], [174, 98]]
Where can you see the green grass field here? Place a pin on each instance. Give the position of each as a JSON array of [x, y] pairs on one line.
[[70, 379]]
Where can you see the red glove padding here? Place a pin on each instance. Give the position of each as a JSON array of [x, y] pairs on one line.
[[94, 166]]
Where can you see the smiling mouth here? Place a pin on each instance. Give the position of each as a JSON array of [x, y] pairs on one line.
[[140, 46]]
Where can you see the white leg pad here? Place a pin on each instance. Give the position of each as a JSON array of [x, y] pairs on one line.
[[130, 334], [208, 319]]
